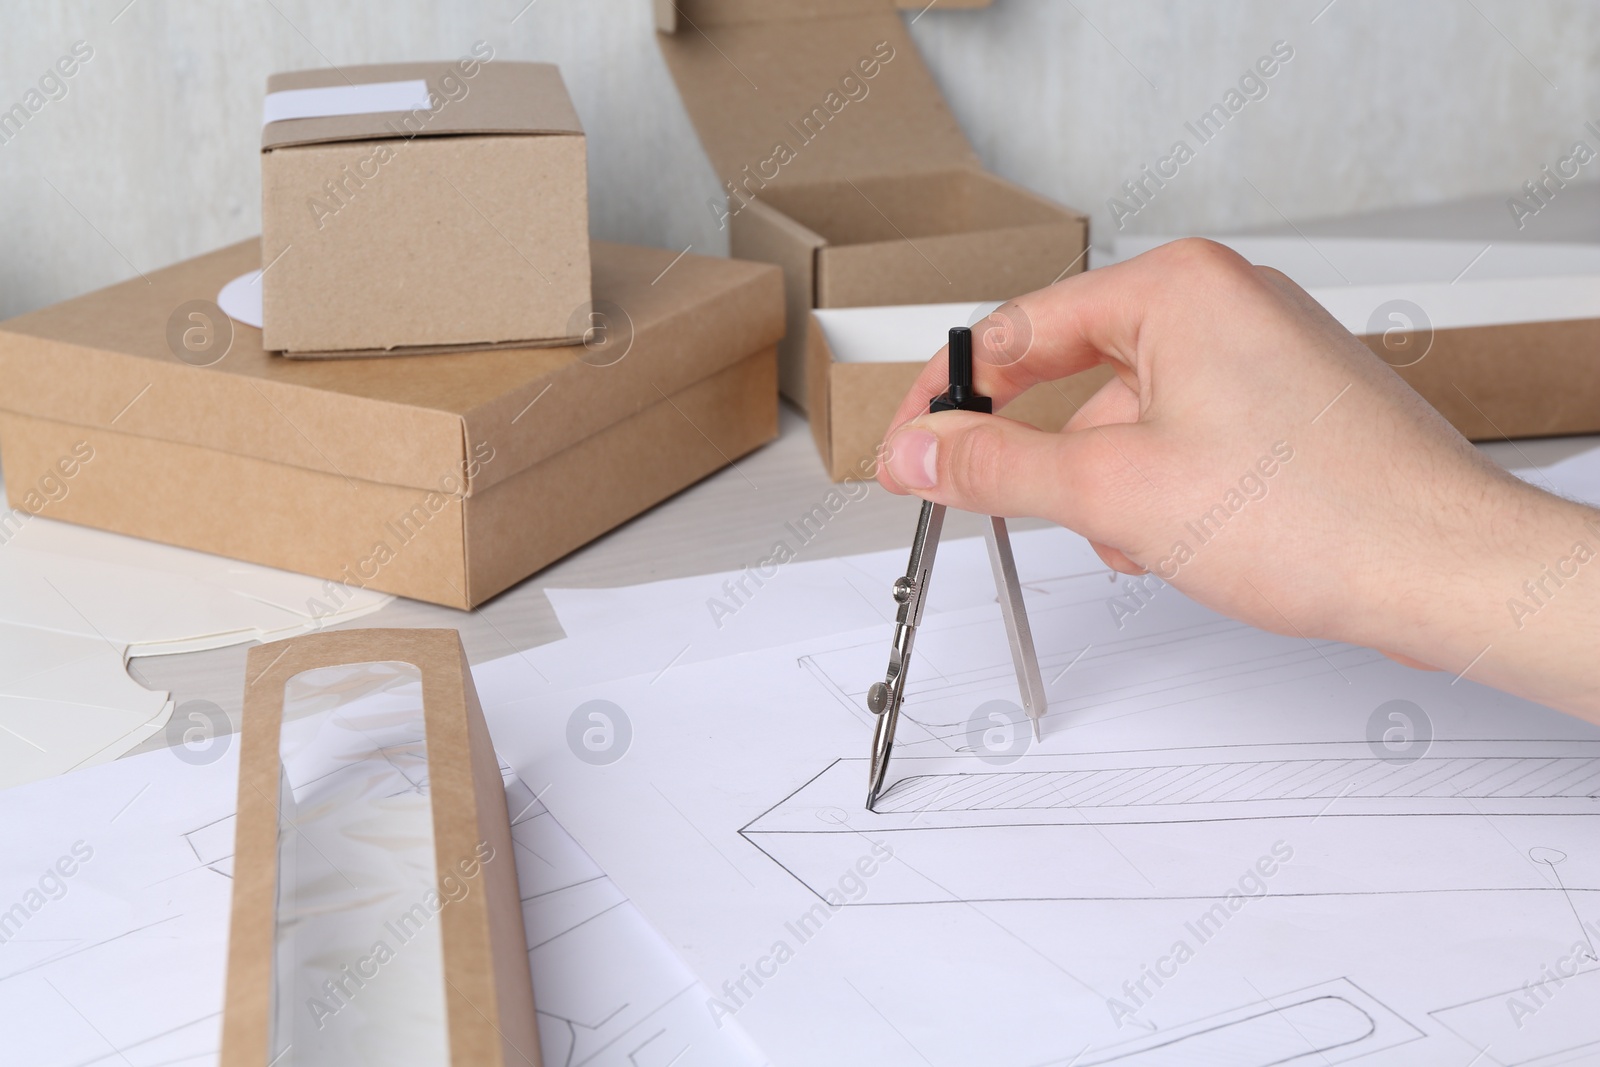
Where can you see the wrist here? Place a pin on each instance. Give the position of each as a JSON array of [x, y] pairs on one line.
[[1507, 593]]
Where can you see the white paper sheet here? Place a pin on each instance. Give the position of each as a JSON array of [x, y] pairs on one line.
[[1247, 796], [1576, 477], [67, 701], [121, 963], [154, 599], [75, 601], [658, 625]]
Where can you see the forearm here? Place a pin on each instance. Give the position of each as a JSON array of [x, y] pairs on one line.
[[1515, 601]]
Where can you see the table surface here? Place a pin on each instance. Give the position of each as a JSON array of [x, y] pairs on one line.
[[732, 518]]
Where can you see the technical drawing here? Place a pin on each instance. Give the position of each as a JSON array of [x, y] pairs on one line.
[[1201, 783], [1184, 823], [611, 992], [1328, 1023], [213, 845], [1550, 1019], [1181, 654]]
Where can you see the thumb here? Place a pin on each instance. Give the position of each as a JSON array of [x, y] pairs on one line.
[[996, 466]]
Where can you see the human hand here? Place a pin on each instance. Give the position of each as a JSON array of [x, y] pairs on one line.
[[1257, 456]]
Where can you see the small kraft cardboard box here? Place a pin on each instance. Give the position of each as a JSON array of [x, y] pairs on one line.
[[442, 477], [376, 915], [422, 207], [862, 362], [842, 164]]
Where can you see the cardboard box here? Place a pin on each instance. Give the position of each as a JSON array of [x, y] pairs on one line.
[[1495, 383], [842, 164], [854, 398], [462, 222], [444, 477], [1502, 337], [484, 982]]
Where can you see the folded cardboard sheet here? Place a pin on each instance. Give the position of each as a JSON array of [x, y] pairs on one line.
[[841, 163]]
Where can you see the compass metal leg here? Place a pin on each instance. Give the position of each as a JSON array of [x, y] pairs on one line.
[[1023, 655], [910, 592]]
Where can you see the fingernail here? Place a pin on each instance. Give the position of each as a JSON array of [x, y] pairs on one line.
[[914, 459]]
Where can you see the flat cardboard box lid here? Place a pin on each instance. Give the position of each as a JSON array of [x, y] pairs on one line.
[[749, 70], [502, 97], [103, 361]]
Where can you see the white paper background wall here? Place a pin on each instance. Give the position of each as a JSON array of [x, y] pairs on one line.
[[1384, 104]]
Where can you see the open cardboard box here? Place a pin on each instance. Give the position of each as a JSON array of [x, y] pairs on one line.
[[955, 234], [441, 477], [863, 361], [842, 164]]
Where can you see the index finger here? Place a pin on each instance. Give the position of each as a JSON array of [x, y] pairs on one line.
[[1077, 323]]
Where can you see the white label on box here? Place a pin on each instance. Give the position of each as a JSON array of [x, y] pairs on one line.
[[368, 99]]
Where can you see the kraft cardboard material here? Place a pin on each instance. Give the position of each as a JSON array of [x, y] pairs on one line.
[[1495, 383], [489, 997], [445, 478], [718, 12], [842, 164], [853, 403], [1492, 383], [462, 224]]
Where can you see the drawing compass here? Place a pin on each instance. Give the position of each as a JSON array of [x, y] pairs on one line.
[[911, 591]]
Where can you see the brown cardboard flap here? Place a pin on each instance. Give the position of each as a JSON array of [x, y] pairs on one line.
[[767, 235], [500, 97], [776, 96], [102, 361], [989, 265], [489, 993], [818, 392], [938, 203]]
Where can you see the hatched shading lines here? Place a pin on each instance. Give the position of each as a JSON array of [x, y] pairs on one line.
[[1485, 778]]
